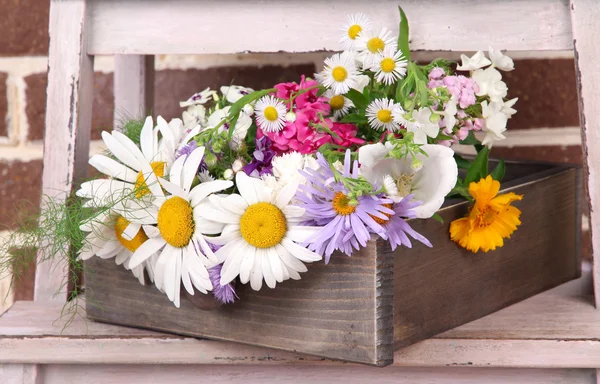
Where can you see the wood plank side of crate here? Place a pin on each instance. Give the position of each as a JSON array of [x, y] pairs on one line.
[[343, 310], [444, 287]]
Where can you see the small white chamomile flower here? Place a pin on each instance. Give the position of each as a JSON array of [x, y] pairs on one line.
[[340, 73], [356, 24], [340, 104], [371, 44], [380, 114], [270, 114], [390, 66]]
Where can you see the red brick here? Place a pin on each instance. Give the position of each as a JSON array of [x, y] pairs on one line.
[[547, 93], [3, 105], [558, 153], [24, 26], [173, 86], [102, 112], [20, 190]]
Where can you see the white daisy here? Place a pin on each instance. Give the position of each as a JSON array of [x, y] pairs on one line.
[[178, 238], [380, 114], [261, 233], [235, 92], [105, 240], [270, 114], [340, 104], [201, 97], [371, 44], [339, 73], [356, 24], [389, 66]]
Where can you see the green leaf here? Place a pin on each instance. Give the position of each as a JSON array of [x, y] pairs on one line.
[[403, 35], [479, 168], [354, 118], [437, 218], [462, 162], [359, 100], [236, 107], [498, 172]]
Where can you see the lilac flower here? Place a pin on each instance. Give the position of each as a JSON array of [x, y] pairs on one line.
[[396, 228], [223, 293], [261, 161], [345, 227]]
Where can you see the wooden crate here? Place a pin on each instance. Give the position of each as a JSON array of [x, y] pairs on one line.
[[361, 309]]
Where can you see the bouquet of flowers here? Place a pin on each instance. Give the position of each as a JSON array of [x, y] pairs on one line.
[[251, 185]]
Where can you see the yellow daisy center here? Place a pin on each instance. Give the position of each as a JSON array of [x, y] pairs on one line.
[[271, 113], [388, 65], [375, 45], [176, 221], [341, 204], [384, 115], [353, 31], [339, 74], [120, 224], [337, 102], [263, 225], [141, 189], [486, 217], [379, 220]]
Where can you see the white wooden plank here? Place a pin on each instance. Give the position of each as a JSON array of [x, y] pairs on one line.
[[19, 374], [115, 374], [211, 26], [68, 119], [133, 87], [585, 16]]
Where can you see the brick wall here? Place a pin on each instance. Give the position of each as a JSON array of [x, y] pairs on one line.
[[545, 128]]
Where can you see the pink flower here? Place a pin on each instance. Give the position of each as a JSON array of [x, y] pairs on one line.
[[347, 133], [284, 90], [436, 73]]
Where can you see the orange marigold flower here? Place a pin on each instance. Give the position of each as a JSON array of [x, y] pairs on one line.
[[491, 218]]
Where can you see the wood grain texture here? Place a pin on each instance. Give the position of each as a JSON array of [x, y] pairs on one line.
[[585, 16], [440, 288], [114, 374], [140, 27], [351, 308], [68, 121], [133, 87], [342, 310]]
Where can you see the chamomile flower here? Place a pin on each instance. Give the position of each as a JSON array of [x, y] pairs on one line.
[[105, 240], [389, 66], [370, 44], [340, 104], [270, 114], [262, 234], [356, 24], [380, 114], [178, 237], [340, 73]]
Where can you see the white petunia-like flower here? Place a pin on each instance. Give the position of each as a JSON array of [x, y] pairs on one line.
[[361, 82], [389, 66], [233, 93], [490, 83], [429, 182], [340, 104], [370, 44], [339, 73], [105, 240], [380, 114], [449, 113], [194, 115], [270, 114], [179, 235], [478, 60], [240, 131], [494, 122], [501, 61], [357, 24], [262, 234], [201, 97], [423, 127]]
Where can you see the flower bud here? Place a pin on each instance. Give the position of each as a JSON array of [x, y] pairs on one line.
[[228, 174], [248, 109], [416, 165], [290, 116], [237, 165], [210, 159]]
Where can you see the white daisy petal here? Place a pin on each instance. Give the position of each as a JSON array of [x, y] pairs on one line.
[[300, 234], [192, 163], [299, 252], [247, 262], [145, 251], [286, 194], [185, 277], [148, 140], [176, 171], [202, 190], [290, 261], [266, 268], [231, 266], [131, 231], [246, 187], [256, 275], [113, 168], [129, 145], [277, 266]]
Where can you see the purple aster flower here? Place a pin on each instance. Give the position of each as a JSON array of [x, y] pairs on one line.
[[186, 150], [223, 293], [396, 229], [262, 157], [345, 227]]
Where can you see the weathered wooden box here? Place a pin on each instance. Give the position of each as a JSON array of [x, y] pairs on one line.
[[361, 309]]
